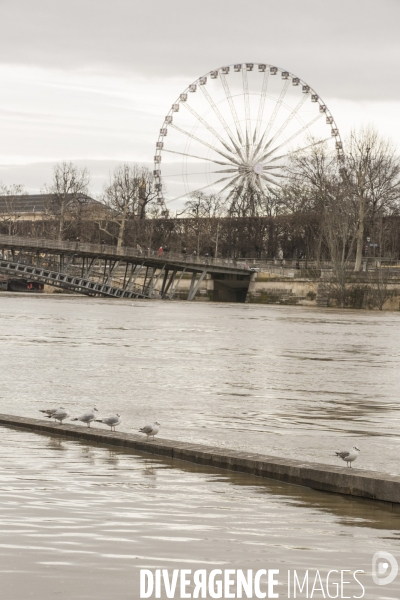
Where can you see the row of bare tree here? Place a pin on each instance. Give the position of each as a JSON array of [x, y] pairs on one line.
[[326, 207], [344, 198], [67, 206]]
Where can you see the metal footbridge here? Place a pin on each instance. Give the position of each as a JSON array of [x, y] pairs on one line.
[[101, 270]]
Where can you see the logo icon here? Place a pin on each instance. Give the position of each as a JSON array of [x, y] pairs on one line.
[[384, 568]]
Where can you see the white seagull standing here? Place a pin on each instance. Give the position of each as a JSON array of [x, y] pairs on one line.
[[150, 430], [349, 455], [87, 416], [111, 421], [49, 412], [59, 415]]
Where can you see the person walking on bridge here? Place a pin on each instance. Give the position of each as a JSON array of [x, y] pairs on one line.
[[160, 252]]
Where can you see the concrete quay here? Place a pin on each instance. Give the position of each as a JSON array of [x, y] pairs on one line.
[[327, 478]]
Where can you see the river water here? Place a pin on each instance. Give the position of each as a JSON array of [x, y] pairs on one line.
[[293, 382], [79, 521]]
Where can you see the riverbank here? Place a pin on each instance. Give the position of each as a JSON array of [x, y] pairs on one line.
[[285, 287], [340, 480]]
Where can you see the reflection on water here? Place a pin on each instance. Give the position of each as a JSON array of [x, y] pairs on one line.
[[287, 381], [81, 523]]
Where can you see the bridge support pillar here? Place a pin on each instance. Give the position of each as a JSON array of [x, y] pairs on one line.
[[229, 288], [194, 287]]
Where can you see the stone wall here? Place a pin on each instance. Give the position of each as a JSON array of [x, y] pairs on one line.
[[291, 288]]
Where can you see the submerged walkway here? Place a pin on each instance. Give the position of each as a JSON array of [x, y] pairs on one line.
[[340, 480]]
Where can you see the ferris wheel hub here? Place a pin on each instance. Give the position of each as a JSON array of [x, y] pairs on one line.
[[258, 169]]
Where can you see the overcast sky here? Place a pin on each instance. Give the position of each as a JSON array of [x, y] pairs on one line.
[[91, 80]]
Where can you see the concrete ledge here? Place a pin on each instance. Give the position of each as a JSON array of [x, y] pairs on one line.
[[340, 480]]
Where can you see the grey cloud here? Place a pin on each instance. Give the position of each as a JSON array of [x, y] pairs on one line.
[[343, 48]]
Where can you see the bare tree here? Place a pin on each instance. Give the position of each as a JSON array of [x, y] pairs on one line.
[[67, 193], [10, 206], [372, 175], [204, 212], [248, 201], [316, 173], [147, 192], [312, 184], [379, 289], [128, 194], [204, 206], [339, 229]]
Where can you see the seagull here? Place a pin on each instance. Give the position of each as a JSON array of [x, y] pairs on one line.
[[50, 411], [111, 421], [150, 430], [349, 455], [59, 415], [87, 416]]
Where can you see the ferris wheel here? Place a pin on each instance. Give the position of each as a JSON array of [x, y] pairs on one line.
[[236, 128]]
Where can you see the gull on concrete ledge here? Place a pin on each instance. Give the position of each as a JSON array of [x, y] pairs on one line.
[[87, 416], [150, 430], [112, 421], [349, 455], [59, 415], [49, 412]]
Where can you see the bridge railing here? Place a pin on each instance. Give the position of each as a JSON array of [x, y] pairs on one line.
[[123, 252], [244, 264]]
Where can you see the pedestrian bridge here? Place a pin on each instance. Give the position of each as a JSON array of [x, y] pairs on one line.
[[101, 270]]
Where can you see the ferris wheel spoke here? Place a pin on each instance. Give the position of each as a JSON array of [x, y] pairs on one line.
[[294, 136], [265, 178], [211, 129], [203, 142], [276, 175], [202, 173], [270, 189], [218, 162], [238, 190], [269, 167], [273, 117], [260, 184], [288, 120], [246, 111], [230, 184], [232, 107], [261, 105], [238, 187], [266, 188], [297, 151], [221, 118], [202, 188]]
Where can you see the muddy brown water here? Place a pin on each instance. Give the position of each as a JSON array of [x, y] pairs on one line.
[[293, 382], [80, 521]]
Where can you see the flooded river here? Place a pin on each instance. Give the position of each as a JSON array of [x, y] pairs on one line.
[[291, 382], [79, 521]]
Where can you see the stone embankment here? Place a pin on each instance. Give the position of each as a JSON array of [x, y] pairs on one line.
[[340, 480], [304, 287]]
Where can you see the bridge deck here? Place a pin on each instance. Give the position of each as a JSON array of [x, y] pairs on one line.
[[191, 263], [97, 269]]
